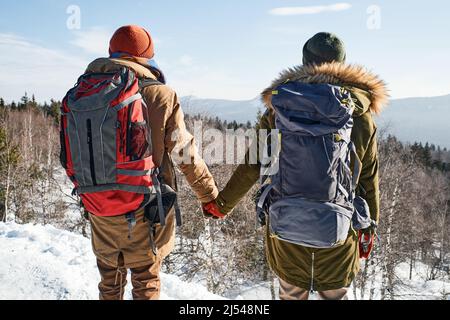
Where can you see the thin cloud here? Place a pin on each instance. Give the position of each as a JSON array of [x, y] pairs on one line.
[[93, 40], [27, 66], [190, 78], [291, 11], [49, 73], [186, 60]]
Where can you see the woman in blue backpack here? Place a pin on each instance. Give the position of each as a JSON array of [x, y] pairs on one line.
[[300, 268]]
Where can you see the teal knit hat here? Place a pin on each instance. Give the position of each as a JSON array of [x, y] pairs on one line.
[[322, 48]]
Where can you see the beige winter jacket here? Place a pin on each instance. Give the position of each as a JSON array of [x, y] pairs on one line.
[[169, 133]]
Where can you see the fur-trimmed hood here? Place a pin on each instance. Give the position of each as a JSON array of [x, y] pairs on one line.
[[335, 74]]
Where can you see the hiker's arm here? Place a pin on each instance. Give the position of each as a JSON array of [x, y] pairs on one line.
[[181, 145], [364, 136], [243, 179], [369, 179]]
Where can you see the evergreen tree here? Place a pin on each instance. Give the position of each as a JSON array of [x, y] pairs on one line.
[[426, 155], [33, 103], [54, 110], [23, 104]]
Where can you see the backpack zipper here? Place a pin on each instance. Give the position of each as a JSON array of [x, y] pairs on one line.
[[91, 152], [312, 272], [119, 131], [129, 132]]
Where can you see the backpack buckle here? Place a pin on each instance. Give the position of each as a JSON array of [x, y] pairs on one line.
[[337, 137]]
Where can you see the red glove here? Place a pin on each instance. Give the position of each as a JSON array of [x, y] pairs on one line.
[[211, 210], [366, 241]]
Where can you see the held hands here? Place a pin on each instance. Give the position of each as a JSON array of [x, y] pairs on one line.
[[212, 211], [216, 209]]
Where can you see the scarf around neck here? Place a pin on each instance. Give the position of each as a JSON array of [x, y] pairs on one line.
[[149, 63]]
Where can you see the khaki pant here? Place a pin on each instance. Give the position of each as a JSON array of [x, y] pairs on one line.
[[117, 253], [290, 292], [145, 280]]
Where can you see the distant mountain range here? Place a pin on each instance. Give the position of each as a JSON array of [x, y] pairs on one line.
[[230, 110], [419, 119], [411, 119]]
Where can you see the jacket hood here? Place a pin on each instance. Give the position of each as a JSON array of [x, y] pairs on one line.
[[109, 64], [369, 91]]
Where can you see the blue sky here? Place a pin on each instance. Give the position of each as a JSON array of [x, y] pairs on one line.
[[224, 49]]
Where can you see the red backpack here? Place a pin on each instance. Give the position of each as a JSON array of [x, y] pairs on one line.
[[106, 144]]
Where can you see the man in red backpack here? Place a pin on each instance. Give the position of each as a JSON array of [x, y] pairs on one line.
[[117, 247]]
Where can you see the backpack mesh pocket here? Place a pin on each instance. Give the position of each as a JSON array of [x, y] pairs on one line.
[[139, 144]]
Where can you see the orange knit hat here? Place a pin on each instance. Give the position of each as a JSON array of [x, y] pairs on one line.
[[132, 40]]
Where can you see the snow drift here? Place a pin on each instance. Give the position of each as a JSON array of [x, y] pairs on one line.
[[44, 263]]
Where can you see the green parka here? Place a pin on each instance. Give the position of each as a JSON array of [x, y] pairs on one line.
[[322, 269]]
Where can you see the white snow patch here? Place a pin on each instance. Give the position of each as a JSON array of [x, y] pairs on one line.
[[44, 263]]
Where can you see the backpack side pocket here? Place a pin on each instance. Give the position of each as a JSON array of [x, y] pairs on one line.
[[139, 144], [361, 216]]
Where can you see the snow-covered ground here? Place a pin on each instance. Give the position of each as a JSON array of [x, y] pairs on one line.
[[418, 288], [44, 263]]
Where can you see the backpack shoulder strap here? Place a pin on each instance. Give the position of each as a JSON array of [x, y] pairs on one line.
[[148, 82]]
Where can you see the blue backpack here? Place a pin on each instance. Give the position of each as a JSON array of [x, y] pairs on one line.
[[310, 200]]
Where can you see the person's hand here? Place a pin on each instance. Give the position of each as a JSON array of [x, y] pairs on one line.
[[211, 210], [366, 239]]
